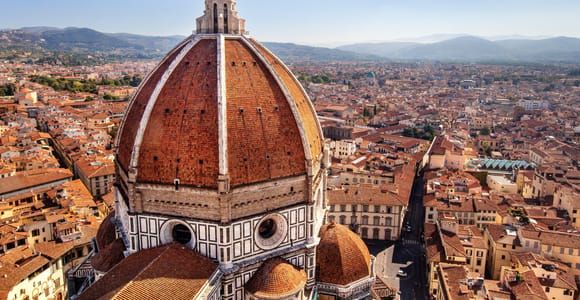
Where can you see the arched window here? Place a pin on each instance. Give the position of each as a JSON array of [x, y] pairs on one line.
[[215, 18], [226, 18]]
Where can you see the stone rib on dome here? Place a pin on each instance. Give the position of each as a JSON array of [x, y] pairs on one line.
[[128, 132], [180, 139], [263, 138], [305, 108], [276, 279], [219, 106], [341, 257]]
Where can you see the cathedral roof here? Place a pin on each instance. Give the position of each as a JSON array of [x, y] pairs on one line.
[[276, 279], [341, 257], [107, 232], [219, 106], [168, 272], [109, 256]]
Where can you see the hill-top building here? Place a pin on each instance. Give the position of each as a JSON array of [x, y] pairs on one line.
[[221, 181]]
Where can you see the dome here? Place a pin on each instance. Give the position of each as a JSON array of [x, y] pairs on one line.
[[341, 257], [276, 279], [107, 232], [219, 108]]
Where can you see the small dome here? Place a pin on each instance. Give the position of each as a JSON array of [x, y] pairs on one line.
[[276, 279], [341, 257], [107, 232]]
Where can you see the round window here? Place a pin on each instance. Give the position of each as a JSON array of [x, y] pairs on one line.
[[271, 231], [267, 228], [181, 234]]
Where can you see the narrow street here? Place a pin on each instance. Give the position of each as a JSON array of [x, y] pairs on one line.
[[409, 250]]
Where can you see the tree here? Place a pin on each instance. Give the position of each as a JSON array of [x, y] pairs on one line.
[[366, 112], [484, 131], [7, 90]]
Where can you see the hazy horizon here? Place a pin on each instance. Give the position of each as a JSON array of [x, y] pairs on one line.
[[322, 23]]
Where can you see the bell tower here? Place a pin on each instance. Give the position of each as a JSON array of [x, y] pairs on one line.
[[221, 16]]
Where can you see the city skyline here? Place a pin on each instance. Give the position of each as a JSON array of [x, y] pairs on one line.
[[321, 22]]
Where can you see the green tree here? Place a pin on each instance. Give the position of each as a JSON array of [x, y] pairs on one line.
[[7, 90]]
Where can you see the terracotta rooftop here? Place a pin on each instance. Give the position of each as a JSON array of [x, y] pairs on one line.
[[168, 272], [31, 179], [276, 279], [453, 276], [364, 195], [341, 257], [553, 238], [528, 287], [17, 265], [109, 256]]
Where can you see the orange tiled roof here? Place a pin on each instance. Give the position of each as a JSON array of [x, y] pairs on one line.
[[167, 272], [30, 179], [109, 256], [364, 195], [266, 128], [276, 279], [107, 232], [341, 257]]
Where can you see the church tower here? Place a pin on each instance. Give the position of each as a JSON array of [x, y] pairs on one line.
[[222, 173]]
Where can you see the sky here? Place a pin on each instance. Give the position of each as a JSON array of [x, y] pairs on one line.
[[313, 22]]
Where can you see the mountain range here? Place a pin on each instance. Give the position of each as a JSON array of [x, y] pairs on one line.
[[475, 49], [86, 41]]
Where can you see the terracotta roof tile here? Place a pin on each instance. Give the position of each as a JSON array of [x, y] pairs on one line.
[[264, 140], [168, 272], [181, 139], [137, 108], [363, 195], [341, 257], [276, 279], [107, 232], [109, 256], [301, 99]]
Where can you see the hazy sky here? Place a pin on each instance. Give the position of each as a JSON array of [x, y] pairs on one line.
[[310, 21]]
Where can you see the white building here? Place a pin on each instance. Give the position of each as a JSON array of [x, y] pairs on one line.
[[501, 184]]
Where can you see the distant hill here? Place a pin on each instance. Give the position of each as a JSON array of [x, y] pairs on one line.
[[475, 49], [380, 49], [84, 41], [298, 53], [460, 49], [80, 45], [162, 44]]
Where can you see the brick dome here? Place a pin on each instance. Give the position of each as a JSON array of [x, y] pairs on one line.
[[219, 108], [107, 233], [341, 257], [276, 279]]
